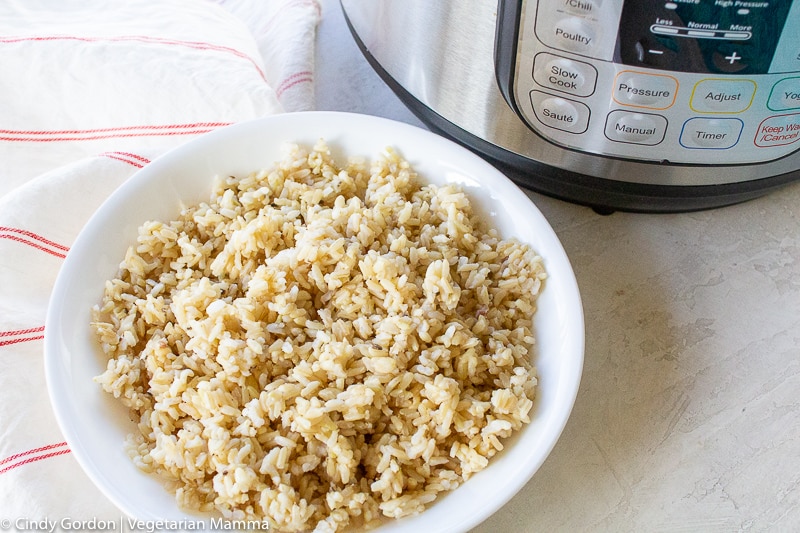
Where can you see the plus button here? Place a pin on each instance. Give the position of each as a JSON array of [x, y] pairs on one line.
[[734, 57]]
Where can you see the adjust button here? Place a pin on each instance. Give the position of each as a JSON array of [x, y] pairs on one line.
[[635, 128], [637, 89], [711, 133], [562, 74], [560, 113], [722, 95]]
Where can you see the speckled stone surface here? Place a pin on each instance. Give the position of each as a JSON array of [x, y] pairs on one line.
[[688, 415]]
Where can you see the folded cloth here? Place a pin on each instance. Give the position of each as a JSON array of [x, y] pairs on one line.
[[91, 92]]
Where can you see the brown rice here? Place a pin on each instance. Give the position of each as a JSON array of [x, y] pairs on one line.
[[321, 347]]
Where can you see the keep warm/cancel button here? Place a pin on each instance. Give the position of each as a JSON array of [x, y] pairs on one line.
[[778, 130]]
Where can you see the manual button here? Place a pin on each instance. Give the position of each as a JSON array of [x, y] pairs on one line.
[[560, 113], [635, 128], [722, 95]]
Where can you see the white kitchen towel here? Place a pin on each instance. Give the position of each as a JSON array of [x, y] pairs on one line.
[[90, 92]]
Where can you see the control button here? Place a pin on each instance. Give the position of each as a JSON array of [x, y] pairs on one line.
[[654, 91], [635, 128], [711, 133], [785, 95], [778, 130], [574, 34], [722, 95], [560, 113], [562, 74], [581, 7]]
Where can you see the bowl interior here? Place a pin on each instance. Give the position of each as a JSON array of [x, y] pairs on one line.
[[95, 425]]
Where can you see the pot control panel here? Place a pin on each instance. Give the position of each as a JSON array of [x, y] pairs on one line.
[[685, 81]]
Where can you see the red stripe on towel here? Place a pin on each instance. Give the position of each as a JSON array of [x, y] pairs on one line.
[[196, 45], [33, 240], [35, 450], [108, 133], [127, 157], [36, 458], [20, 335], [295, 79]]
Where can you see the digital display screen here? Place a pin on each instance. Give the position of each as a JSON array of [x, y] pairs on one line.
[[702, 36]]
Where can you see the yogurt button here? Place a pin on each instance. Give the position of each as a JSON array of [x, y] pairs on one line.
[[785, 95]]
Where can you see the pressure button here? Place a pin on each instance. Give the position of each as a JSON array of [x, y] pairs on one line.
[[637, 89], [560, 113]]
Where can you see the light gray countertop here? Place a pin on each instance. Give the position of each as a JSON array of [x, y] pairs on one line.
[[688, 415]]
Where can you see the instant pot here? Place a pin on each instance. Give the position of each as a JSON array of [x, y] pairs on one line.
[[640, 105]]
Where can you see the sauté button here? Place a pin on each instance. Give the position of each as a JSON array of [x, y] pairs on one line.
[[560, 113]]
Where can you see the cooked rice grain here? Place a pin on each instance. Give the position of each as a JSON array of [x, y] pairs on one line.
[[320, 346]]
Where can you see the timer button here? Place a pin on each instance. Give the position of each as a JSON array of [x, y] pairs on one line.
[[785, 95], [574, 34], [722, 95], [711, 133], [560, 113]]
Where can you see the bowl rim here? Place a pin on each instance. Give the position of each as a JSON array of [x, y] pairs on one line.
[[569, 382]]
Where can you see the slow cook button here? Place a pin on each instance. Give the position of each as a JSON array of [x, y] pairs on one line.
[[637, 89], [711, 133], [785, 95], [635, 128], [574, 34], [560, 113], [562, 74], [778, 130], [722, 96]]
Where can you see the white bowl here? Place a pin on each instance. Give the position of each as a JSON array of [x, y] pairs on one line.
[[95, 425]]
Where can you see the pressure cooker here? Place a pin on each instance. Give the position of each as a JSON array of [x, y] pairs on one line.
[[639, 105]]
